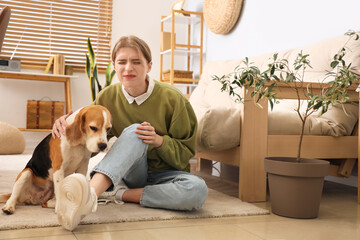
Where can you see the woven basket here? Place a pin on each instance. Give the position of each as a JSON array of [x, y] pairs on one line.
[[42, 114], [178, 74], [221, 15]]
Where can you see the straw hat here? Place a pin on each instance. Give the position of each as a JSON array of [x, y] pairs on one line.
[[221, 15]]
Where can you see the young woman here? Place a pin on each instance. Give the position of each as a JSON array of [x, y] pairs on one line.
[[149, 162]]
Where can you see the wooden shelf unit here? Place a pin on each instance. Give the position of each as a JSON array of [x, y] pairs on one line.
[[42, 77], [34, 130], [187, 50]]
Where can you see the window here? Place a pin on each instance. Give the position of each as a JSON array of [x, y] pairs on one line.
[[39, 29]]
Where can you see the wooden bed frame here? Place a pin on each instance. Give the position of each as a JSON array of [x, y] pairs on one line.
[[256, 144]]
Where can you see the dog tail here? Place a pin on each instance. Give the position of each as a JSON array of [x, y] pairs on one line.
[[4, 197]]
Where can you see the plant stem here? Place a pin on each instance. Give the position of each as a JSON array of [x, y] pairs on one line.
[[303, 120]]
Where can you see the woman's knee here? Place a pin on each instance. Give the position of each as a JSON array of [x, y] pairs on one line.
[[129, 135], [202, 190], [130, 131], [196, 191], [131, 128]]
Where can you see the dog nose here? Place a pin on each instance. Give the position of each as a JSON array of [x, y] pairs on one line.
[[102, 146]]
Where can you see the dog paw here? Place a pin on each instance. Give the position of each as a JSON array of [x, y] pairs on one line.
[[49, 204], [8, 210]]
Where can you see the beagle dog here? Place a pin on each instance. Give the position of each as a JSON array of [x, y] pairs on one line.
[[54, 159]]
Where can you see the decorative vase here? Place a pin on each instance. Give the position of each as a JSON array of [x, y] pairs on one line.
[[296, 187]]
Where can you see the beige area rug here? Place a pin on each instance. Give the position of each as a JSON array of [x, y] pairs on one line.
[[216, 205]]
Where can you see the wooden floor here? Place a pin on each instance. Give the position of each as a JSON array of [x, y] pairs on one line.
[[339, 219], [221, 185]]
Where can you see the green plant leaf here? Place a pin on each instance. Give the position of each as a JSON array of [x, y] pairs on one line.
[[92, 87], [272, 70], [334, 64], [358, 88], [88, 67], [318, 105], [271, 104], [109, 75], [112, 75], [107, 72], [298, 67], [91, 53], [259, 105], [96, 78], [91, 71]]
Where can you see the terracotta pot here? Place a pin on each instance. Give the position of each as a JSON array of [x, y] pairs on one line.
[[296, 188]]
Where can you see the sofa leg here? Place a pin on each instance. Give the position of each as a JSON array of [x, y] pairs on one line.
[[198, 165], [204, 166], [253, 150]]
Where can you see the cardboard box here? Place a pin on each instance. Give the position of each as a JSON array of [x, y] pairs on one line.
[[165, 41], [42, 114]]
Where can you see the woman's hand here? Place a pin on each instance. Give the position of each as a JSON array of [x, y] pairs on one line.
[[59, 125], [148, 135]]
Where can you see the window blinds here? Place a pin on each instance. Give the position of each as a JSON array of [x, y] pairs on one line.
[[39, 29]]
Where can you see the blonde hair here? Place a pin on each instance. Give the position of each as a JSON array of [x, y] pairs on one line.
[[133, 42]]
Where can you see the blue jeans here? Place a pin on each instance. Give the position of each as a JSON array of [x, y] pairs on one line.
[[127, 161]]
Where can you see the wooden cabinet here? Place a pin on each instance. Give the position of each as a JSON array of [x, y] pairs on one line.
[[185, 50]]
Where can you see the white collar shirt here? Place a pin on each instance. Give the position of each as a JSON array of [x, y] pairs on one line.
[[142, 98]]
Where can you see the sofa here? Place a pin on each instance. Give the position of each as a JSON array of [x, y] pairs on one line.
[[243, 135]]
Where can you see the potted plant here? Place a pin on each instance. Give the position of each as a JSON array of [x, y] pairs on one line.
[[92, 72], [295, 184]]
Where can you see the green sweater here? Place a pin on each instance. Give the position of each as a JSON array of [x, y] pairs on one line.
[[168, 111]]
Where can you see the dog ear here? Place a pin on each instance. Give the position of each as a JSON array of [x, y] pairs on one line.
[[75, 131]]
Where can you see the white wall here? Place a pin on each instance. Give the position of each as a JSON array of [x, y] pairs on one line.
[[267, 26]]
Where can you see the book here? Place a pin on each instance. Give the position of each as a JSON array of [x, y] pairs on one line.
[[48, 66], [59, 64]]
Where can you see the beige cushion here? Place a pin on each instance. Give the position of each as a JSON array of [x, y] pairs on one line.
[[215, 125], [12, 141], [219, 116], [335, 122]]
